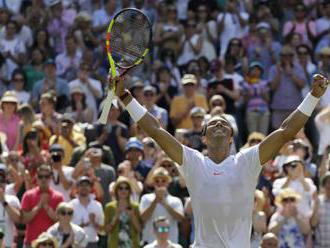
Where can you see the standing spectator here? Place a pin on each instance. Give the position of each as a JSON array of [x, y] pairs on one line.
[[19, 84], [78, 109], [67, 62], [287, 222], [322, 122], [161, 203], [181, 105], [320, 219], [149, 93], [236, 51], [9, 206], [39, 205], [66, 233], [91, 87], [259, 221], [9, 120], [88, 212], [323, 27], [231, 23], [59, 23], [286, 80], [12, 48], [34, 69], [324, 69], [122, 217], [61, 175], [51, 82], [102, 16], [256, 95], [161, 226]]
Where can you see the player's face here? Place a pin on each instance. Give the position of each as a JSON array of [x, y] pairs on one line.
[[218, 127]]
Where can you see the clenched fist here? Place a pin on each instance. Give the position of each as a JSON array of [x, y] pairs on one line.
[[319, 85]]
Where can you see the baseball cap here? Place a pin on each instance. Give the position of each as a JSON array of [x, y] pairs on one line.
[[56, 148], [197, 112], [134, 143], [49, 62], [54, 2], [292, 158], [9, 96], [256, 64], [189, 79], [149, 88], [263, 25], [84, 179]]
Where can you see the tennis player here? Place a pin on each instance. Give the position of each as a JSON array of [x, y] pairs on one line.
[[222, 186]]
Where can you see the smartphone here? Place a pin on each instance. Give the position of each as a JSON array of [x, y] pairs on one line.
[[87, 163]]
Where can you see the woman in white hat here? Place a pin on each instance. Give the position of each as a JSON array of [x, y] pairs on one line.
[[9, 120]]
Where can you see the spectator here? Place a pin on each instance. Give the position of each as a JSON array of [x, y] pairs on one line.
[[181, 105], [62, 180], [67, 62], [66, 233], [324, 68], [43, 43], [269, 240], [161, 203], [88, 212], [9, 120], [256, 94], [194, 135], [51, 82], [19, 82], [286, 81], [321, 214], [10, 206], [34, 70], [161, 226], [78, 109], [91, 87], [236, 51], [322, 26], [45, 240], [259, 225], [39, 205], [287, 222], [322, 121], [294, 178], [102, 16], [122, 217]]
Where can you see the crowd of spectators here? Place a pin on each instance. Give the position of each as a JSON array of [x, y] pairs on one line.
[[68, 181]]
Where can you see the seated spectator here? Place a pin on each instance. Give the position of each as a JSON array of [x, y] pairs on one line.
[[294, 178], [269, 240], [161, 227], [45, 240], [78, 108], [161, 203], [256, 96], [34, 70], [150, 150], [39, 205], [9, 120], [122, 218], [288, 223], [19, 82], [322, 122], [27, 116], [64, 231], [51, 82], [321, 214], [194, 135], [259, 221], [88, 212]]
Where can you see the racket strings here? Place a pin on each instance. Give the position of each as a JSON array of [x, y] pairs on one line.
[[130, 37]]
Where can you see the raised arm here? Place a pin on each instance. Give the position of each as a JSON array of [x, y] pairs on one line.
[[295, 121], [150, 124]]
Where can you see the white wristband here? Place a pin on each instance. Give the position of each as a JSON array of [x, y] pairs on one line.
[[308, 104], [136, 110]]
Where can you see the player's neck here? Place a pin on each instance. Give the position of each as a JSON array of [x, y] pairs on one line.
[[218, 153]]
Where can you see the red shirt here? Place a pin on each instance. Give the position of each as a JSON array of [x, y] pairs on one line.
[[41, 221]]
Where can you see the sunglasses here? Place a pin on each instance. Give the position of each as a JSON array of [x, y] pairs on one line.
[[66, 213], [163, 229], [289, 199], [149, 94], [18, 79], [293, 165], [302, 52], [43, 177], [51, 244], [123, 188], [157, 181], [254, 141], [166, 165]]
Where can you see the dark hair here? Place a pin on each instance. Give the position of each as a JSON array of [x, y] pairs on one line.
[[159, 219], [162, 69], [19, 71], [32, 133], [230, 44], [47, 45], [44, 167], [12, 22], [73, 103]]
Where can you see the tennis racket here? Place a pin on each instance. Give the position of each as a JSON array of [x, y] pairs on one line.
[[128, 40]]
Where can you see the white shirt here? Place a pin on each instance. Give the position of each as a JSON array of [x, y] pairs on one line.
[[6, 223], [23, 96], [188, 53], [304, 204], [90, 98], [155, 245], [222, 196], [148, 231], [81, 215], [324, 131], [67, 171]]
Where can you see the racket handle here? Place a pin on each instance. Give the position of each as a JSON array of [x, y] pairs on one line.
[[107, 102]]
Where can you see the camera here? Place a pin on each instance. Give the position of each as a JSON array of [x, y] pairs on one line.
[[56, 157]]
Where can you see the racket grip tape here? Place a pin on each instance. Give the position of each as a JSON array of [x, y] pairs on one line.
[[106, 107]]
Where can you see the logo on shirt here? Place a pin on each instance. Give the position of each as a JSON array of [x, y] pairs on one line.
[[217, 173]]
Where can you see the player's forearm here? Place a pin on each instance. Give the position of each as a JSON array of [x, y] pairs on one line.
[[292, 124]]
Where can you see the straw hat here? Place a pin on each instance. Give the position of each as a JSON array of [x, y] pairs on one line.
[[160, 172], [254, 136], [43, 237], [9, 96], [121, 180], [286, 193]]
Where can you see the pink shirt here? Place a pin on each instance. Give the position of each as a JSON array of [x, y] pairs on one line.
[[41, 221], [300, 28], [10, 128]]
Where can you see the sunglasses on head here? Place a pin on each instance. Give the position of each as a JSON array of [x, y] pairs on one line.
[[43, 177], [66, 213], [163, 229], [289, 199]]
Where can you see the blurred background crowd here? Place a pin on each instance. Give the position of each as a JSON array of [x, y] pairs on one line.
[[67, 181]]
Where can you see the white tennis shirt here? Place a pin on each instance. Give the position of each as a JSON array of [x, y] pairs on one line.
[[222, 197]]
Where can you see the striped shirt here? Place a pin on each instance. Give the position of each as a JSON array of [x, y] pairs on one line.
[[322, 231]]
